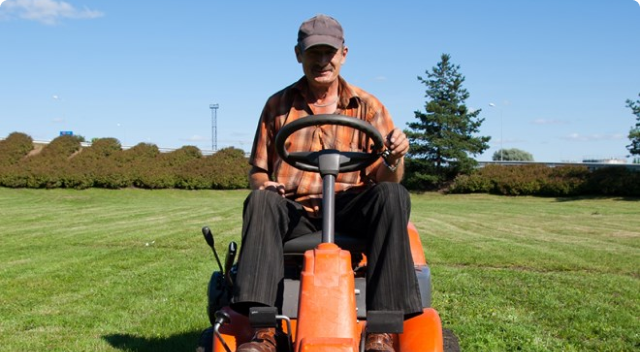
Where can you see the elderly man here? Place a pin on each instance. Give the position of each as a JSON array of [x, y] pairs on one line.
[[286, 202]]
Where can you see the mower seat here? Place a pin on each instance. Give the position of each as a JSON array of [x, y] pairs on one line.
[[299, 245]]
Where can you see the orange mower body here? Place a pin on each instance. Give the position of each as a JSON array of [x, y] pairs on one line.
[[328, 318]]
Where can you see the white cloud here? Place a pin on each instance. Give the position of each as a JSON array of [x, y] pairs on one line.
[[594, 137], [49, 12]]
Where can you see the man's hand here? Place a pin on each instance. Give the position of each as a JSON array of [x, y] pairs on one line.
[[259, 180], [397, 144], [273, 186]]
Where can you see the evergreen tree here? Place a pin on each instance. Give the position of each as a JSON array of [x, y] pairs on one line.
[[443, 137], [634, 133]]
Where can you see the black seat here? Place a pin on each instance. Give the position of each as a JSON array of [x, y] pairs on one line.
[[299, 245]]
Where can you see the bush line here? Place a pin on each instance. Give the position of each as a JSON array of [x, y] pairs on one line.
[[63, 163], [541, 180]]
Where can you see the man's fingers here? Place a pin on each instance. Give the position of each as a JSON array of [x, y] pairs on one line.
[[274, 187], [397, 142]]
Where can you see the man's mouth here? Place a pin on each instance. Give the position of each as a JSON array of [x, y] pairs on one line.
[[322, 70]]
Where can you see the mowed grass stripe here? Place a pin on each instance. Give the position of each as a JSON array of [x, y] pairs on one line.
[[534, 236], [104, 270]]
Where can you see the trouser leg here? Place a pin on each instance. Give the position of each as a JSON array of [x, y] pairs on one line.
[[268, 218], [381, 214]]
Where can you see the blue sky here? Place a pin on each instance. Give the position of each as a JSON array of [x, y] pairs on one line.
[[558, 72]]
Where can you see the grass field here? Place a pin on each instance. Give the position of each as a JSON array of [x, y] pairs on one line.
[[104, 270]]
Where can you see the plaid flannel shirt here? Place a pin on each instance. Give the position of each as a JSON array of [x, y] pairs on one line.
[[289, 105]]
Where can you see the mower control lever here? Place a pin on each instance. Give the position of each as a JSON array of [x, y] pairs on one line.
[[228, 262], [222, 318], [208, 236]]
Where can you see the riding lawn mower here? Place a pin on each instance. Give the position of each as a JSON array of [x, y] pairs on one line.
[[323, 305]]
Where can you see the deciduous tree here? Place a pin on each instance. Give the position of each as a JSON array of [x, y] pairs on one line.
[[513, 154]]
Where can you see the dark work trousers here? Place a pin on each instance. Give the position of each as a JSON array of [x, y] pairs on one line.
[[380, 214]]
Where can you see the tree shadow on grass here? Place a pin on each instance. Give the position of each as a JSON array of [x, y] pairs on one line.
[[184, 342], [596, 197]]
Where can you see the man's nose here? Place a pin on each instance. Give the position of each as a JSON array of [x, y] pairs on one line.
[[325, 59]]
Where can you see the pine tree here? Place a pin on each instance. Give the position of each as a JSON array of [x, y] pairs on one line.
[[443, 137], [634, 133]]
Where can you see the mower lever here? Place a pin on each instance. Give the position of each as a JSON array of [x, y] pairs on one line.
[[222, 318], [208, 236], [228, 262]]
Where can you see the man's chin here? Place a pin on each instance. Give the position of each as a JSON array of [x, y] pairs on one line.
[[324, 79]]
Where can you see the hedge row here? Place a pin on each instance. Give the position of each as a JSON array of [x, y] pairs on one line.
[[541, 180], [65, 164]]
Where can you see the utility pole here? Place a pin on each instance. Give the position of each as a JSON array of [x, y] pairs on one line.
[[501, 149], [214, 126]]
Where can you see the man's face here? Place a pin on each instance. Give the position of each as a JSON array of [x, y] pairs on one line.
[[321, 63]]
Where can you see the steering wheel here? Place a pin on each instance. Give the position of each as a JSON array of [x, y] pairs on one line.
[[348, 161]]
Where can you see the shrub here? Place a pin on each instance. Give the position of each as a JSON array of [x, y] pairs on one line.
[[420, 175], [112, 175], [61, 147], [13, 176], [180, 156], [105, 147], [232, 167], [516, 180], [15, 147], [474, 183], [614, 181], [565, 181], [226, 169], [153, 176]]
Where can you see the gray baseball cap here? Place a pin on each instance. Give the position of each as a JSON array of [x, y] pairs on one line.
[[320, 30]]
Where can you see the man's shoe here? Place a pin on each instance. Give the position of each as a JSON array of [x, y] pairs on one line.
[[379, 342], [264, 340]]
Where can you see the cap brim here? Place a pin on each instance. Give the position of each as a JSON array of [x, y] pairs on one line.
[[316, 40]]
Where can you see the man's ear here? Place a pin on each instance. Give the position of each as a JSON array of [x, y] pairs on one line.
[[345, 51], [298, 54]]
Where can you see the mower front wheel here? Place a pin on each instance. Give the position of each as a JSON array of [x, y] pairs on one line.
[[206, 341]]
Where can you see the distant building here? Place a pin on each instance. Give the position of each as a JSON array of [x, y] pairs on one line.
[[614, 161], [590, 163]]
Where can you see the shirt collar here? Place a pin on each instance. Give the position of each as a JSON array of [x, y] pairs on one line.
[[347, 95]]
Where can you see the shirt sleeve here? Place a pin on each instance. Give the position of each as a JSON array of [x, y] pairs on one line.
[[262, 149]]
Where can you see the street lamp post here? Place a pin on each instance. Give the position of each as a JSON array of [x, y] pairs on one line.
[[214, 126], [501, 150], [63, 117]]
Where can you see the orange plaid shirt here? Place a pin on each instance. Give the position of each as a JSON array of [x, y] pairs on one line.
[[289, 105]]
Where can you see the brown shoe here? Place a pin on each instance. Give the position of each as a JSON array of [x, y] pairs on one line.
[[264, 340], [379, 342]]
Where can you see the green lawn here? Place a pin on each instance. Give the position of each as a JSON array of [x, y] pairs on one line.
[[104, 270]]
